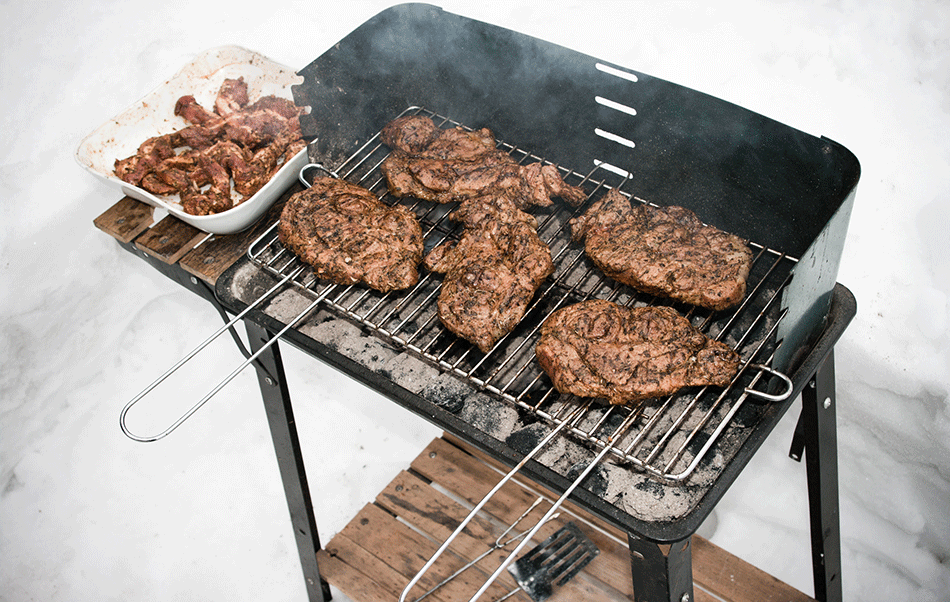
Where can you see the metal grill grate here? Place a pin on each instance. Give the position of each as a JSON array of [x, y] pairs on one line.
[[667, 437]]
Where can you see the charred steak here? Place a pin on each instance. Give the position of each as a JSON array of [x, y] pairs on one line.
[[456, 164], [664, 251], [600, 349], [493, 271], [349, 236]]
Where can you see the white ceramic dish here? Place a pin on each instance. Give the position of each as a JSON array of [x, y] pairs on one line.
[[154, 115]]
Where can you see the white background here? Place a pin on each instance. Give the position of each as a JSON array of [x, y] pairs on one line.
[[86, 514]]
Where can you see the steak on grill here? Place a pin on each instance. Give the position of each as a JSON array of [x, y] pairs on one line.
[[349, 236], [457, 164], [664, 251], [600, 349], [493, 271]]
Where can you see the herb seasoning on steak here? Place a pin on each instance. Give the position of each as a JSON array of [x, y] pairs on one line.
[[349, 236], [600, 349], [457, 164], [492, 273], [664, 251]]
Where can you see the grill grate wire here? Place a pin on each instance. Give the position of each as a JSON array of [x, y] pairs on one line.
[[667, 438]]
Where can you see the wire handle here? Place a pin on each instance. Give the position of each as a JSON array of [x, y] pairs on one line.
[[578, 411], [498, 545], [789, 386], [199, 348], [301, 175]]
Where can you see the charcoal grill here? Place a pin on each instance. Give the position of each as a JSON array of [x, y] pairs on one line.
[[605, 127]]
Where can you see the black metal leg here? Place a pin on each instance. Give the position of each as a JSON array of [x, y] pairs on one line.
[[661, 573], [283, 431], [821, 465]]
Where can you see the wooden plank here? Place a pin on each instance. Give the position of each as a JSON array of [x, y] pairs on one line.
[[215, 255], [430, 511], [406, 551], [170, 239], [377, 553], [732, 578], [363, 565], [714, 569], [568, 505], [126, 219], [338, 569], [437, 515], [468, 477]]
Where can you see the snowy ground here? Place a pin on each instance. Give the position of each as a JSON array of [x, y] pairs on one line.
[[87, 514]]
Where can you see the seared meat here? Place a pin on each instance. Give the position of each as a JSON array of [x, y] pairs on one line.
[[350, 236], [243, 142], [456, 164], [664, 251], [492, 273], [600, 349], [410, 134]]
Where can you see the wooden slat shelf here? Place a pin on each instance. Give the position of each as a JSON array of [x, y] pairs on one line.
[[389, 540]]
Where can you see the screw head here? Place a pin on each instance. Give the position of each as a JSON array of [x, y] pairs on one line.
[[684, 598], [827, 403]]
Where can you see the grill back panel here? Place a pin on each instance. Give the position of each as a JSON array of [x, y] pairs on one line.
[[738, 170]]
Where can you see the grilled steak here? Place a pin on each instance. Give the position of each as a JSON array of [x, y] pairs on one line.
[[492, 273], [664, 251], [457, 164], [600, 349], [348, 235]]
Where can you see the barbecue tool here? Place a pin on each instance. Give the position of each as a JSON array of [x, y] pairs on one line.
[[553, 562], [498, 545]]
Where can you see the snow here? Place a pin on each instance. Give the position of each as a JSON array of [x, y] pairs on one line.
[[85, 513]]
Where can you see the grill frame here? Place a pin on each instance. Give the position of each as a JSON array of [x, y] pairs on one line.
[[513, 361], [784, 188]]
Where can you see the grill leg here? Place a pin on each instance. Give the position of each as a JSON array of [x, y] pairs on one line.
[[821, 466], [283, 431], [661, 573]]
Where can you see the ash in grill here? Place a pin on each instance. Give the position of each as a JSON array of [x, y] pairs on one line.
[[663, 453]]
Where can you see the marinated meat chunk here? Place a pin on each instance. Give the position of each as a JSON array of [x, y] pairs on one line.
[[493, 271], [600, 349], [188, 108], [232, 97], [664, 251], [149, 156], [457, 164], [239, 142], [350, 236]]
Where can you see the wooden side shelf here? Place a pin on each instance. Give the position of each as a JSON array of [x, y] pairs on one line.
[[391, 538], [175, 243]]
